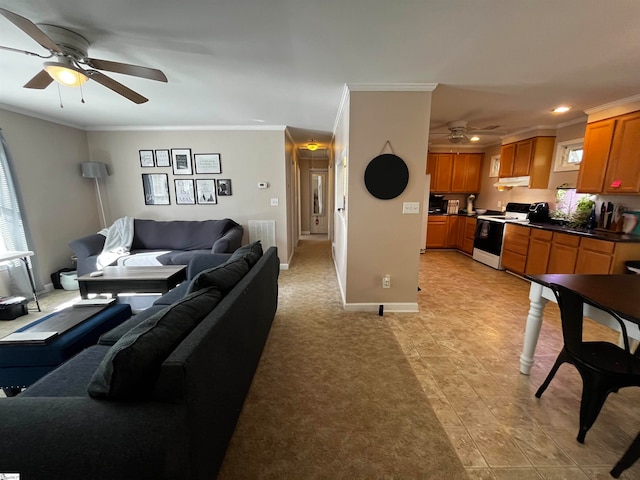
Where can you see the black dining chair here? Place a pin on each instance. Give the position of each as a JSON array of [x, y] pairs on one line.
[[630, 456], [604, 366]]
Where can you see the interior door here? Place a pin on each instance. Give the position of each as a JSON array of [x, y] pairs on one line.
[[318, 191]]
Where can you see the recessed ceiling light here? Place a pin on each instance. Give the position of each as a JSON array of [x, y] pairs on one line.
[[475, 138], [561, 109]]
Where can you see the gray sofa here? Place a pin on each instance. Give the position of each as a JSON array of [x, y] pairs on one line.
[[172, 242], [173, 420]]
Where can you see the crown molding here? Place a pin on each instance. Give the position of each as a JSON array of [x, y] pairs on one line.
[[183, 128], [39, 116], [391, 87], [616, 103]]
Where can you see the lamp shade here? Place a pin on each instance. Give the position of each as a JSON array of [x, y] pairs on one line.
[[94, 170]]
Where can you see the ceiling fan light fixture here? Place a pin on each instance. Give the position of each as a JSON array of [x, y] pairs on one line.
[[65, 73], [475, 138]]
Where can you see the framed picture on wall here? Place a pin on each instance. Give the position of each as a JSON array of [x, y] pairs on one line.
[[146, 158], [224, 187], [207, 163], [206, 191], [163, 159], [494, 169], [185, 194], [156, 188], [181, 160]]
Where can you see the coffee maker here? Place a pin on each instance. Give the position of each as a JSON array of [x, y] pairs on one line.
[[437, 204]]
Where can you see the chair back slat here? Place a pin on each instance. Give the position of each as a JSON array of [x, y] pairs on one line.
[[571, 314]]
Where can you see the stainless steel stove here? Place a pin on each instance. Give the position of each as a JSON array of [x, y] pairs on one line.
[[489, 236]]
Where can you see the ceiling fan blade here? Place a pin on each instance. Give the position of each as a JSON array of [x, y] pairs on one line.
[[116, 87], [40, 81], [31, 29], [135, 70]]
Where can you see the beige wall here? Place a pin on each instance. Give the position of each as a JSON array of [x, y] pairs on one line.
[[59, 204], [247, 157], [381, 239]]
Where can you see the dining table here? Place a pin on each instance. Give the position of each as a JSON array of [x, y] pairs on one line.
[[619, 293]]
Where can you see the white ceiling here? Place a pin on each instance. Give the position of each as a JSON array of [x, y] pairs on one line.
[[285, 62]]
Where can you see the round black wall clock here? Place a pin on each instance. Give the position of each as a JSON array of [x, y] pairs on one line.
[[386, 176]]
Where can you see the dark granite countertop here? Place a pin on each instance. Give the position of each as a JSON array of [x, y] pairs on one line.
[[585, 232]]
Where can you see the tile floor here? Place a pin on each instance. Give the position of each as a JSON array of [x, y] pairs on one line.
[[464, 347]]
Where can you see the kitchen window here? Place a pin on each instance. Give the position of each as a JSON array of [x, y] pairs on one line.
[[568, 155]]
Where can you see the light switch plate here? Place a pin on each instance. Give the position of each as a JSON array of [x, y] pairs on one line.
[[274, 202], [411, 208]]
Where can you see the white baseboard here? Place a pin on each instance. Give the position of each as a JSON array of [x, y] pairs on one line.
[[388, 307]]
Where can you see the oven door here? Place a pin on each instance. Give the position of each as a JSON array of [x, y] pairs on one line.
[[488, 236]]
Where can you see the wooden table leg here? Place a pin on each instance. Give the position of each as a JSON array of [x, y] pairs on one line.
[[532, 330]]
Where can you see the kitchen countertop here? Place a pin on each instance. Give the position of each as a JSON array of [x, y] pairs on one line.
[[585, 232]]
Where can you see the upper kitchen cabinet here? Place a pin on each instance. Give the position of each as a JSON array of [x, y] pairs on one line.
[[528, 158], [611, 158], [455, 173], [440, 166], [467, 170]]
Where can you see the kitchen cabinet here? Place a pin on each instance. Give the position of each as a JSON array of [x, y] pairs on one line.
[[623, 170], [455, 173], [610, 156], [515, 248], [563, 254], [532, 157], [467, 173], [594, 256], [595, 156], [453, 223], [437, 231], [539, 251], [440, 166], [469, 234]]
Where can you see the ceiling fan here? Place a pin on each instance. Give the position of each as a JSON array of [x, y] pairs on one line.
[[460, 132], [70, 64]]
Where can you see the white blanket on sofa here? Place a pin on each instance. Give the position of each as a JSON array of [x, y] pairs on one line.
[[119, 238]]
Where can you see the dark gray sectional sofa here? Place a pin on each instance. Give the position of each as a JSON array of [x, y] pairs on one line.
[[151, 414], [177, 241]]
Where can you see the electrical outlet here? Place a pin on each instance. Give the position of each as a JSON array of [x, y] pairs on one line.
[[386, 281]]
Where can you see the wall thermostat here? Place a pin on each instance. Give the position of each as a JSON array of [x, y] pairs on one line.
[[263, 185]]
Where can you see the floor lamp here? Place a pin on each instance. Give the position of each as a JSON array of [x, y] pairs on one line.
[[96, 170]]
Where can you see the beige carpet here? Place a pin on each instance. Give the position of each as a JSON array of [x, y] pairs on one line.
[[334, 396]]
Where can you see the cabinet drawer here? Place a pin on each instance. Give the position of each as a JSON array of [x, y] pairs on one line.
[[514, 261], [597, 245], [516, 243], [564, 239], [518, 230], [541, 234]]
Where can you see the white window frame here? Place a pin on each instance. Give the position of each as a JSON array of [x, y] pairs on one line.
[[562, 153]]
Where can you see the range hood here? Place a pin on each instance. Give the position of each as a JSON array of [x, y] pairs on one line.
[[513, 182]]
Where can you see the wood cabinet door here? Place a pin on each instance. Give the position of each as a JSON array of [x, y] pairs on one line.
[[436, 231], [593, 262], [623, 171], [598, 138], [514, 262], [562, 258], [452, 230], [469, 235], [459, 173], [507, 157], [444, 170], [473, 172], [522, 159], [432, 158], [538, 256]]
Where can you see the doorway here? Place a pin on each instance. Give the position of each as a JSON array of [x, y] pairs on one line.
[[318, 219]]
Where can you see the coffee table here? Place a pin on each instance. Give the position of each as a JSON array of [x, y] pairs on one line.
[[150, 279], [76, 328]]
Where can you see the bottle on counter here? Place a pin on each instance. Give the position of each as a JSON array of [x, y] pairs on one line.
[[591, 221]]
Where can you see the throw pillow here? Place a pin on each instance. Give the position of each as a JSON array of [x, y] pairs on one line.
[[131, 367], [224, 276], [251, 252]]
